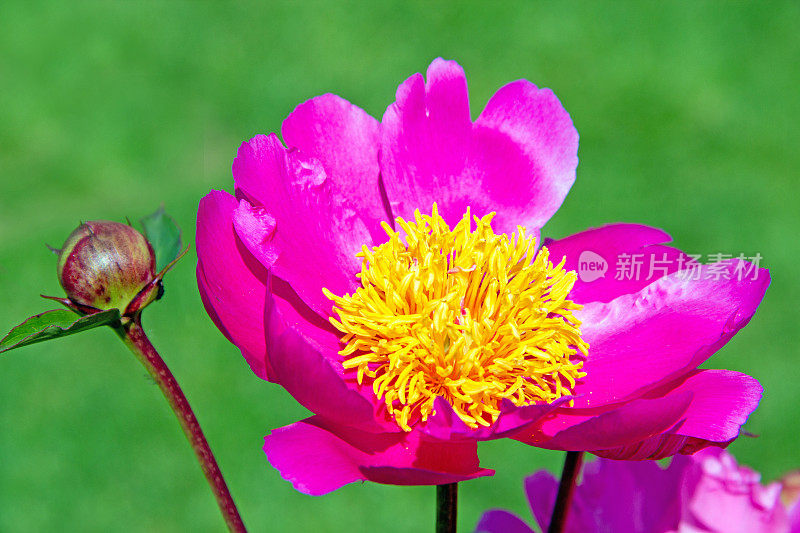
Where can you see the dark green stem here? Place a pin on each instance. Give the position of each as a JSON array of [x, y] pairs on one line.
[[134, 338], [572, 467], [446, 508]]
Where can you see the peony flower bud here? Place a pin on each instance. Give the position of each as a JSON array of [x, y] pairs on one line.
[[106, 265]]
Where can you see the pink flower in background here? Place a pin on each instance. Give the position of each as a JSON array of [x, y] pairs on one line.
[[360, 268], [707, 492]]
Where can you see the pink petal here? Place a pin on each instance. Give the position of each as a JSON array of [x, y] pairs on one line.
[[657, 447], [255, 227], [535, 121], [572, 430], [517, 159], [665, 330], [500, 521], [541, 489], [318, 229], [721, 402], [617, 248], [232, 285], [317, 461], [344, 138]]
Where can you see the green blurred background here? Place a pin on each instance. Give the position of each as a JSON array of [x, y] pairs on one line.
[[688, 116]]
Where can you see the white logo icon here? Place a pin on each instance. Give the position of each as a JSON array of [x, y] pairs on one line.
[[591, 266]]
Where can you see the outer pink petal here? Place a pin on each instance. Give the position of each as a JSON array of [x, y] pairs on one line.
[[541, 489], [569, 429], [665, 330], [317, 461], [721, 402], [534, 120], [345, 139], [517, 159], [232, 285], [500, 521], [318, 229], [611, 246], [255, 228], [425, 139]]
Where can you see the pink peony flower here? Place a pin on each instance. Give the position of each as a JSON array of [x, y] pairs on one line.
[[707, 492], [370, 269]]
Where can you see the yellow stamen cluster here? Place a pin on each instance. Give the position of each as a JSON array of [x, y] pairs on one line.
[[463, 314]]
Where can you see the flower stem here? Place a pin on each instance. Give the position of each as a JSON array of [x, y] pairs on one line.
[[134, 338], [572, 466], [446, 507]]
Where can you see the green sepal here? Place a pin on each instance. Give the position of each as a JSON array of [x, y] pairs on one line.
[[164, 235], [54, 324]]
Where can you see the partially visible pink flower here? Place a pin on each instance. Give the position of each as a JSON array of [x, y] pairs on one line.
[[707, 492], [431, 341], [790, 496]]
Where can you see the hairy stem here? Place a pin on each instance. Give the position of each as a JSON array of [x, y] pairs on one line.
[[572, 467], [134, 338], [446, 508]]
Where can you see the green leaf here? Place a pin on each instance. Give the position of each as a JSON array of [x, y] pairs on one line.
[[164, 235], [54, 324]]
